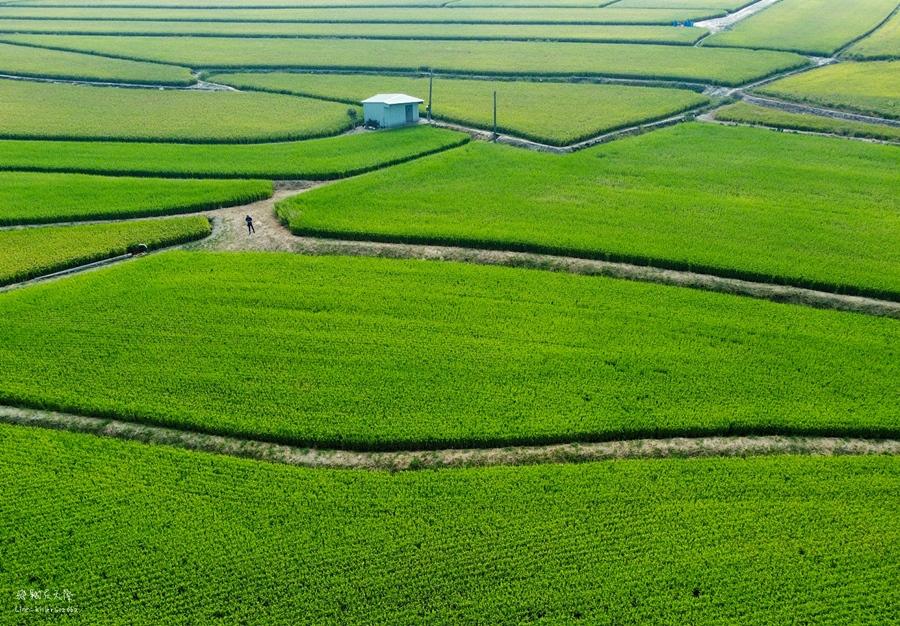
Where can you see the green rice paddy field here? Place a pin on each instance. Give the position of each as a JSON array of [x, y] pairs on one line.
[[728, 5], [317, 159], [34, 197], [884, 43], [29, 252], [386, 362], [555, 113], [380, 15], [50, 111], [755, 541], [694, 196], [714, 65], [385, 354], [571, 32], [29, 61], [808, 26], [743, 112], [872, 88]]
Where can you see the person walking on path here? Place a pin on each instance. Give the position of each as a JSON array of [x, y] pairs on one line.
[[250, 229]]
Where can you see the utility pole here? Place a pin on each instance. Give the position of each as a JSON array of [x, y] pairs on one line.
[[430, 83], [495, 114]]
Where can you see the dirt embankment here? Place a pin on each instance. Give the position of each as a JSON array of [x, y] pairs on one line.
[[469, 457]]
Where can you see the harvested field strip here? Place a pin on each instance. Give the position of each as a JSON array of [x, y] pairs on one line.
[[29, 61], [302, 350], [807, 26], [36, 197], [678, 447], [712, 65], [884, 43], [553, 113], [314, 159], [870, 88], [601, 541], [485, 15], [72, 112], [516, 32], [745, 113], [695, 197], [29, 252]]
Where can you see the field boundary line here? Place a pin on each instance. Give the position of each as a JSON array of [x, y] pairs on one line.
[[871, 31], [380, 37], [718, 24], [605, 137], [710, 119], [368, 69], [575, 452], [323, 244], [792, 106], [101, 263]]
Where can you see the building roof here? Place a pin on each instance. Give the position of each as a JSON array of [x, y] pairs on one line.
[[392, 98]]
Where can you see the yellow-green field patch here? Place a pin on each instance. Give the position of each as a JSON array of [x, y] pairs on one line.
[[51, 111], [551, 112], [872, 87]]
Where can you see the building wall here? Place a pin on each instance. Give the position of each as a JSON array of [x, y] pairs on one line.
[[374, 111], [389, 116]]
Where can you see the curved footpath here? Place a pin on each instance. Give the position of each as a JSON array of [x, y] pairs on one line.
[[229, 234], [460, 457]]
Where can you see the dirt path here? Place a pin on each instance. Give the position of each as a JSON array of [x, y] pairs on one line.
[[230, 227], [799, 107], [606, 137], [465, 457], [766, 291], [230, 234], [718, 24], [710, 119]]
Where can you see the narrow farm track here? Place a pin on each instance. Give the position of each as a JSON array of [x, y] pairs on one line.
[[528, 144], [798, 107], [229, 233], [709, 119], [718, 24], [461, 457]]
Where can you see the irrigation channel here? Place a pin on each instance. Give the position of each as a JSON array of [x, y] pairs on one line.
[[575, 452]]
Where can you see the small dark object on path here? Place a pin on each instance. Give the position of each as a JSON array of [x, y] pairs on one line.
[[250, 229], [137, 248]]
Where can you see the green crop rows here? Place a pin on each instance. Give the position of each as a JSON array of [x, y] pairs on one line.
[[238, 4], [374, 353], [317, 159], [34, 197], [872, 88], [29, 252], [809, 26], [728, 5], [554, 113], [381, 15], [884, 43], [37, 62], [715, 65], [38, 110], [148, 535], [743, 112], [579, 32], [695, 196]]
